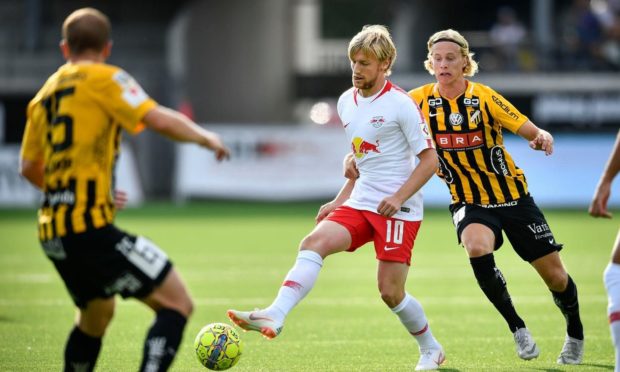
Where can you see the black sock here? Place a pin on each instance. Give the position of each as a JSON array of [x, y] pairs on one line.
[[162, 340], [568, 303], [492, 283], [81, 351]]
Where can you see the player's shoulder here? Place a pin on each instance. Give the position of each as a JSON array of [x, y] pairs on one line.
[[398, 93], [346, 96], [480, 89], [422, 90], [347, 93]]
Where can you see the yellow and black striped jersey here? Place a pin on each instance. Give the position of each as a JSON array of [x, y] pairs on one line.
[[468, 137], [74, 128]]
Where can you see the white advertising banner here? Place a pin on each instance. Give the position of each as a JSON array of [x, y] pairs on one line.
[[267, 163]]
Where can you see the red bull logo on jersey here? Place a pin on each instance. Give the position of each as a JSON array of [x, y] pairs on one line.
[[361, 147]]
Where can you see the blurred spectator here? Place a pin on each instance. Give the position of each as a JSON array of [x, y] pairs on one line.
[[507, 36], [581, 36], [611, 45]]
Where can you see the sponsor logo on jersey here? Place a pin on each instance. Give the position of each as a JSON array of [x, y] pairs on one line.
[[498, 161], [132, 93], [471, 102], [433, 102], [505, 107], [456, 119], [500, 205], [60, 197], [444, 171], [459, 141], [362, 147], [377, 121]]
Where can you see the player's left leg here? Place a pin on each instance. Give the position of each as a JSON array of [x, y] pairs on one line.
[[84, 342], [391, 280], [564, 292], [611, 279]]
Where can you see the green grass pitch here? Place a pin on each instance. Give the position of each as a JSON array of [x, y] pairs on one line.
[[235, 255]]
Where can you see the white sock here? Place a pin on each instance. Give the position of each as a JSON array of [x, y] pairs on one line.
[[298, 282], [411, 314], [611, 278]]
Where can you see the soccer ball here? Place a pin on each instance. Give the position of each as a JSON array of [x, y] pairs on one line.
[[218, 346]]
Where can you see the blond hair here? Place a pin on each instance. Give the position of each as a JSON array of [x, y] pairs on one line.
[[453, 36], [86, 29], [374, 40]]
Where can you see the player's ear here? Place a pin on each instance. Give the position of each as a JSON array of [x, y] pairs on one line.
[[107, 50], [64, 49]]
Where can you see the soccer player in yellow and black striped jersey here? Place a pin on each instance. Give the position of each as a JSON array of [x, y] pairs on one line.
[[489, 192], [69, 150]]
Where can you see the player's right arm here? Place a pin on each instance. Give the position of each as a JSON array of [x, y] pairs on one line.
[[598, 207], [343, 195], [179, 127]]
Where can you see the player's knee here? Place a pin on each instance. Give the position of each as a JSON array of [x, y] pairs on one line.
[[316, 242], [95, 324], [476, 248], [557, 280], [391, 295]]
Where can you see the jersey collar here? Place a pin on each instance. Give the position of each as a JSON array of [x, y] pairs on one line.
[[386, 88]]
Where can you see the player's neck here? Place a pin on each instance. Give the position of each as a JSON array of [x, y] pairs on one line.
[[452, 89], [86, 57]]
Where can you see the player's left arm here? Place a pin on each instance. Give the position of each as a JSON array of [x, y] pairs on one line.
[[539, 139], [420, 175]]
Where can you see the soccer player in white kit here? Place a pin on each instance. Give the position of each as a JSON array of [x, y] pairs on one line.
[[384, 205]]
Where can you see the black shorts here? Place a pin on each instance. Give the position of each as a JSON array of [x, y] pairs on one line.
[[521, 220], [104, 262]]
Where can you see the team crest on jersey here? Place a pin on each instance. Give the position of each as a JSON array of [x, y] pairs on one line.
[[475, 117], [362, 147], [377, 121], [456, 119]]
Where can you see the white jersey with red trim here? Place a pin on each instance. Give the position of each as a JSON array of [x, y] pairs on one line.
[[386, 131]]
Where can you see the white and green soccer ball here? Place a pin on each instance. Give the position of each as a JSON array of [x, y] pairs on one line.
[[218, 346]]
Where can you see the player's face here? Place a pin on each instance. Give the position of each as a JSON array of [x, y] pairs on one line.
[[448, 62], [368, 73]]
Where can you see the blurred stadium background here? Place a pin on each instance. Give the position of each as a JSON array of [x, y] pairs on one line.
[[266, 75]]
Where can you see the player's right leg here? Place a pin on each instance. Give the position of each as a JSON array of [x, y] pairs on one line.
[[611, 279], [480, 240], [328, 237]]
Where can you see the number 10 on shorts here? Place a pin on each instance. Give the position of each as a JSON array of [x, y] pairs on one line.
[[394, 232]]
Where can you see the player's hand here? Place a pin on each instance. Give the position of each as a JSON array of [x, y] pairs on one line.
[[120, 199], [389, 206], [349, 167], [543, 142], [325, 209], [598, 207], [214, 143]]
